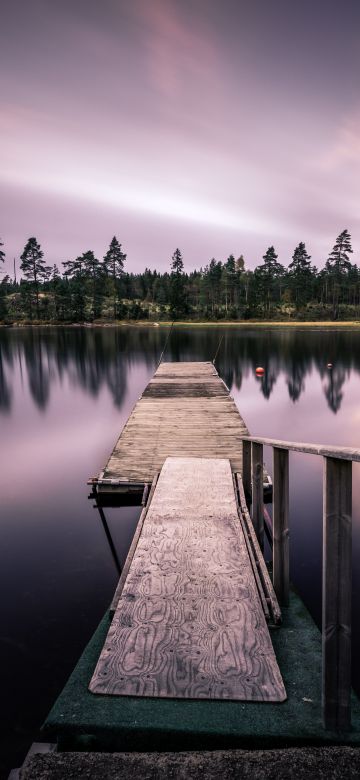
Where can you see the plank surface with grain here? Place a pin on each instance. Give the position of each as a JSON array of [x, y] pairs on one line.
[[189, 622], [185, 411]]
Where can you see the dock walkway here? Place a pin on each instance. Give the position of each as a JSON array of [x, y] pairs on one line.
[[185, 411], [188, 639], [189, 622]]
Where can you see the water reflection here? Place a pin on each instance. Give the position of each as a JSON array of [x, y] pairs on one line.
[[65, 395], [92, 358], [333, 388], [89, 358]]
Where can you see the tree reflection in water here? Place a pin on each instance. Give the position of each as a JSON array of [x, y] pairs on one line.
[[96, 357]]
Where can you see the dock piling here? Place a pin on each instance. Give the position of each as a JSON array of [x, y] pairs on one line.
[[246, 471], [281, 525], [257, 508], [336, 631]]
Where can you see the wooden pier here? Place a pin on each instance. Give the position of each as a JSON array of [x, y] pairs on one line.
[[185, 411], [189, 622], [183, 656], [191, 608]]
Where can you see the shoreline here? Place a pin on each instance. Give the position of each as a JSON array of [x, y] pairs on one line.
[[188, 323]]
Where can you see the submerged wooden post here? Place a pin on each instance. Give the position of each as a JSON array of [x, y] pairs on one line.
[[336, 595], [246, 468], [281, 524], [257, 509]]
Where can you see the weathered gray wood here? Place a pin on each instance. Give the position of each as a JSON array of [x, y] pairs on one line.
[[189, 622], [247, 536], [257, 503], [186, 410], [342, 453], [336, 631], [246, 468], [145, 494], [267, 585], [281, 524], [131, 552]]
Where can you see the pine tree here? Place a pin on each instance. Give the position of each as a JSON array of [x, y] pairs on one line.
[[338, 259], [268, 276], [177, 286], [177, 264], [56, 284], [114, 266], [75, 291], [74, 268], [213, 273], [229, 276], [300, 274], [337, 266], [93, 270], [33, 267], [270, 261]]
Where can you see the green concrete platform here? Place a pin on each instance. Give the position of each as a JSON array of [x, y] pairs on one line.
[[81, 720]]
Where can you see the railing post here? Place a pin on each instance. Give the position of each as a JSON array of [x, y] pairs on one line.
[[246, 468], [281, 524], [336, 594], [257, 506]]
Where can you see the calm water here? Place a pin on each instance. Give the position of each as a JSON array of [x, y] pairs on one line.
[[64, 396]]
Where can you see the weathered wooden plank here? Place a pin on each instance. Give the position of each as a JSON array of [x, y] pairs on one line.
[[186, 409], [246, 468], [132, 548], [263, 572], [281, 524], [336, 623], [257, 501], [327, 451], [250, 550], [189, 622]]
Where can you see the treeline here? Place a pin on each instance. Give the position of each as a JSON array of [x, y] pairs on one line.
[[89, 289]]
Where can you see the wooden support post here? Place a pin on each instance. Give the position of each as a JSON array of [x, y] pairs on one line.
[[281, 525], [109, 538], [257, 510], [246, 469], [336, 594]]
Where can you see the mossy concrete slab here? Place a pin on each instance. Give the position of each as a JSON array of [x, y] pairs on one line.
[[82, 720]]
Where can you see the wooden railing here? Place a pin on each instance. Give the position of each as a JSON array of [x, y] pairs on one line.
[[337, 564]]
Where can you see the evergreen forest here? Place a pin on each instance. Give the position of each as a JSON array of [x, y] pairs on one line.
[[89, 289]]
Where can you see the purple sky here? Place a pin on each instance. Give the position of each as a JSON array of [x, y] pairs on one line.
[[217, 126]]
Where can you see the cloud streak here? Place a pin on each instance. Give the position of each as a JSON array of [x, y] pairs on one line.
[[189, 120]]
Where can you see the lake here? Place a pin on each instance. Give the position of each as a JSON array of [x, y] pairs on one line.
[[65, 394]]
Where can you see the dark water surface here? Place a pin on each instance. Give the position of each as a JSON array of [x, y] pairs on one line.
[[65, 394]]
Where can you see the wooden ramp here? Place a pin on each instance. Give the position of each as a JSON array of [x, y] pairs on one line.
[[189, 622], [185, 411]]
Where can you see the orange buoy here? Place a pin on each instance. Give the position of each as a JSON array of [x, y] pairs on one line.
[[329, 365], [259, 371]]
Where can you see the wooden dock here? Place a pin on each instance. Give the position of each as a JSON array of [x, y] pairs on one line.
[[185, 411], [186, 635], [189, 622], [191, 606]]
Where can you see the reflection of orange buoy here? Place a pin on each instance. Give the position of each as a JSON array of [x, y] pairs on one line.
[[259, 371], [329, 365]]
